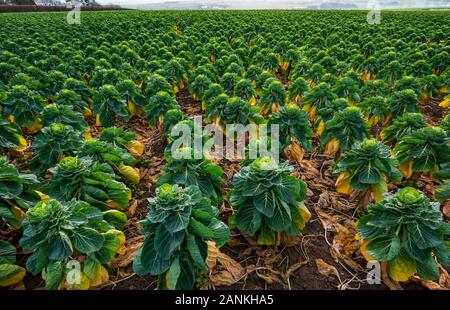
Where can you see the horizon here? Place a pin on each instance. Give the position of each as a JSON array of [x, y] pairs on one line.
[[271, 4]]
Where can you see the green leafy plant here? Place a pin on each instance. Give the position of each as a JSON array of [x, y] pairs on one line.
[[158, 106], [319, 97], [407, 232], [17, 193], [11, 136], [10, 273], [403, 101], [376, 110], [343, 130], [294, 131], [268, 201], [239, 111], [117, 157], [402, 126], [423, 150], [132, 95], [58, 233], [244, 89], [107, 103], [73, 100], [123, 138], [52, 144], [183, 168], [326, 113], [65, 115], [84, 179], [272, 97], [367, 167], [176, 229], [297, 89], [24, 105]]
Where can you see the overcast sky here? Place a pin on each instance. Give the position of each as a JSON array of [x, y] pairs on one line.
[[412, 3]]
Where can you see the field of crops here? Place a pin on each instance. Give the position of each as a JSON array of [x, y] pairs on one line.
[[95, 193]]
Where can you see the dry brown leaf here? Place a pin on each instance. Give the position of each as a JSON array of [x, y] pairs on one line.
[[446, 209], [132, 245], [234, 242], [326, 269], [289, 240], [270, 277], [328, 221], [132, 208], [223, 269], [433, 286], [294, 268], [213, 254]]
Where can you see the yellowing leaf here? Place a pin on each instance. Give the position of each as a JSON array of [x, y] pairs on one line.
[[88, 113], [100, 278], [136, 148], [406, 169], [87, 135], [343, 183], [313, 113], [130, 173], [23, 144], [82, 286], [98, 122], [304, 212], [321, 128], [132, 107], [379, 190], [18, 213], [306, 107], [445, 103], [252, 101], [402, 268], [332, 147], [42, 196], [11, 274], [374, 120]]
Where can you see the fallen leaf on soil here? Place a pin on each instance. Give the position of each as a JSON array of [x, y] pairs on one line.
[[132, 245], [132, 209], [234, 242], [329, 222], [223, 269], [326, 269], [294, 268]]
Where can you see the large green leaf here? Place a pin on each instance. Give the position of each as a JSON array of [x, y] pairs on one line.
[[221, 232], [281, 218], [148, 261], [60, 247], [187, 275], [166, 242], [53, 275], [265, 203], [173, 274], [7, 251], [428, 270], [248, 219], [423, 236], [177, 221], [384, 248], [37, 261], [87, 240], [194, 252]]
